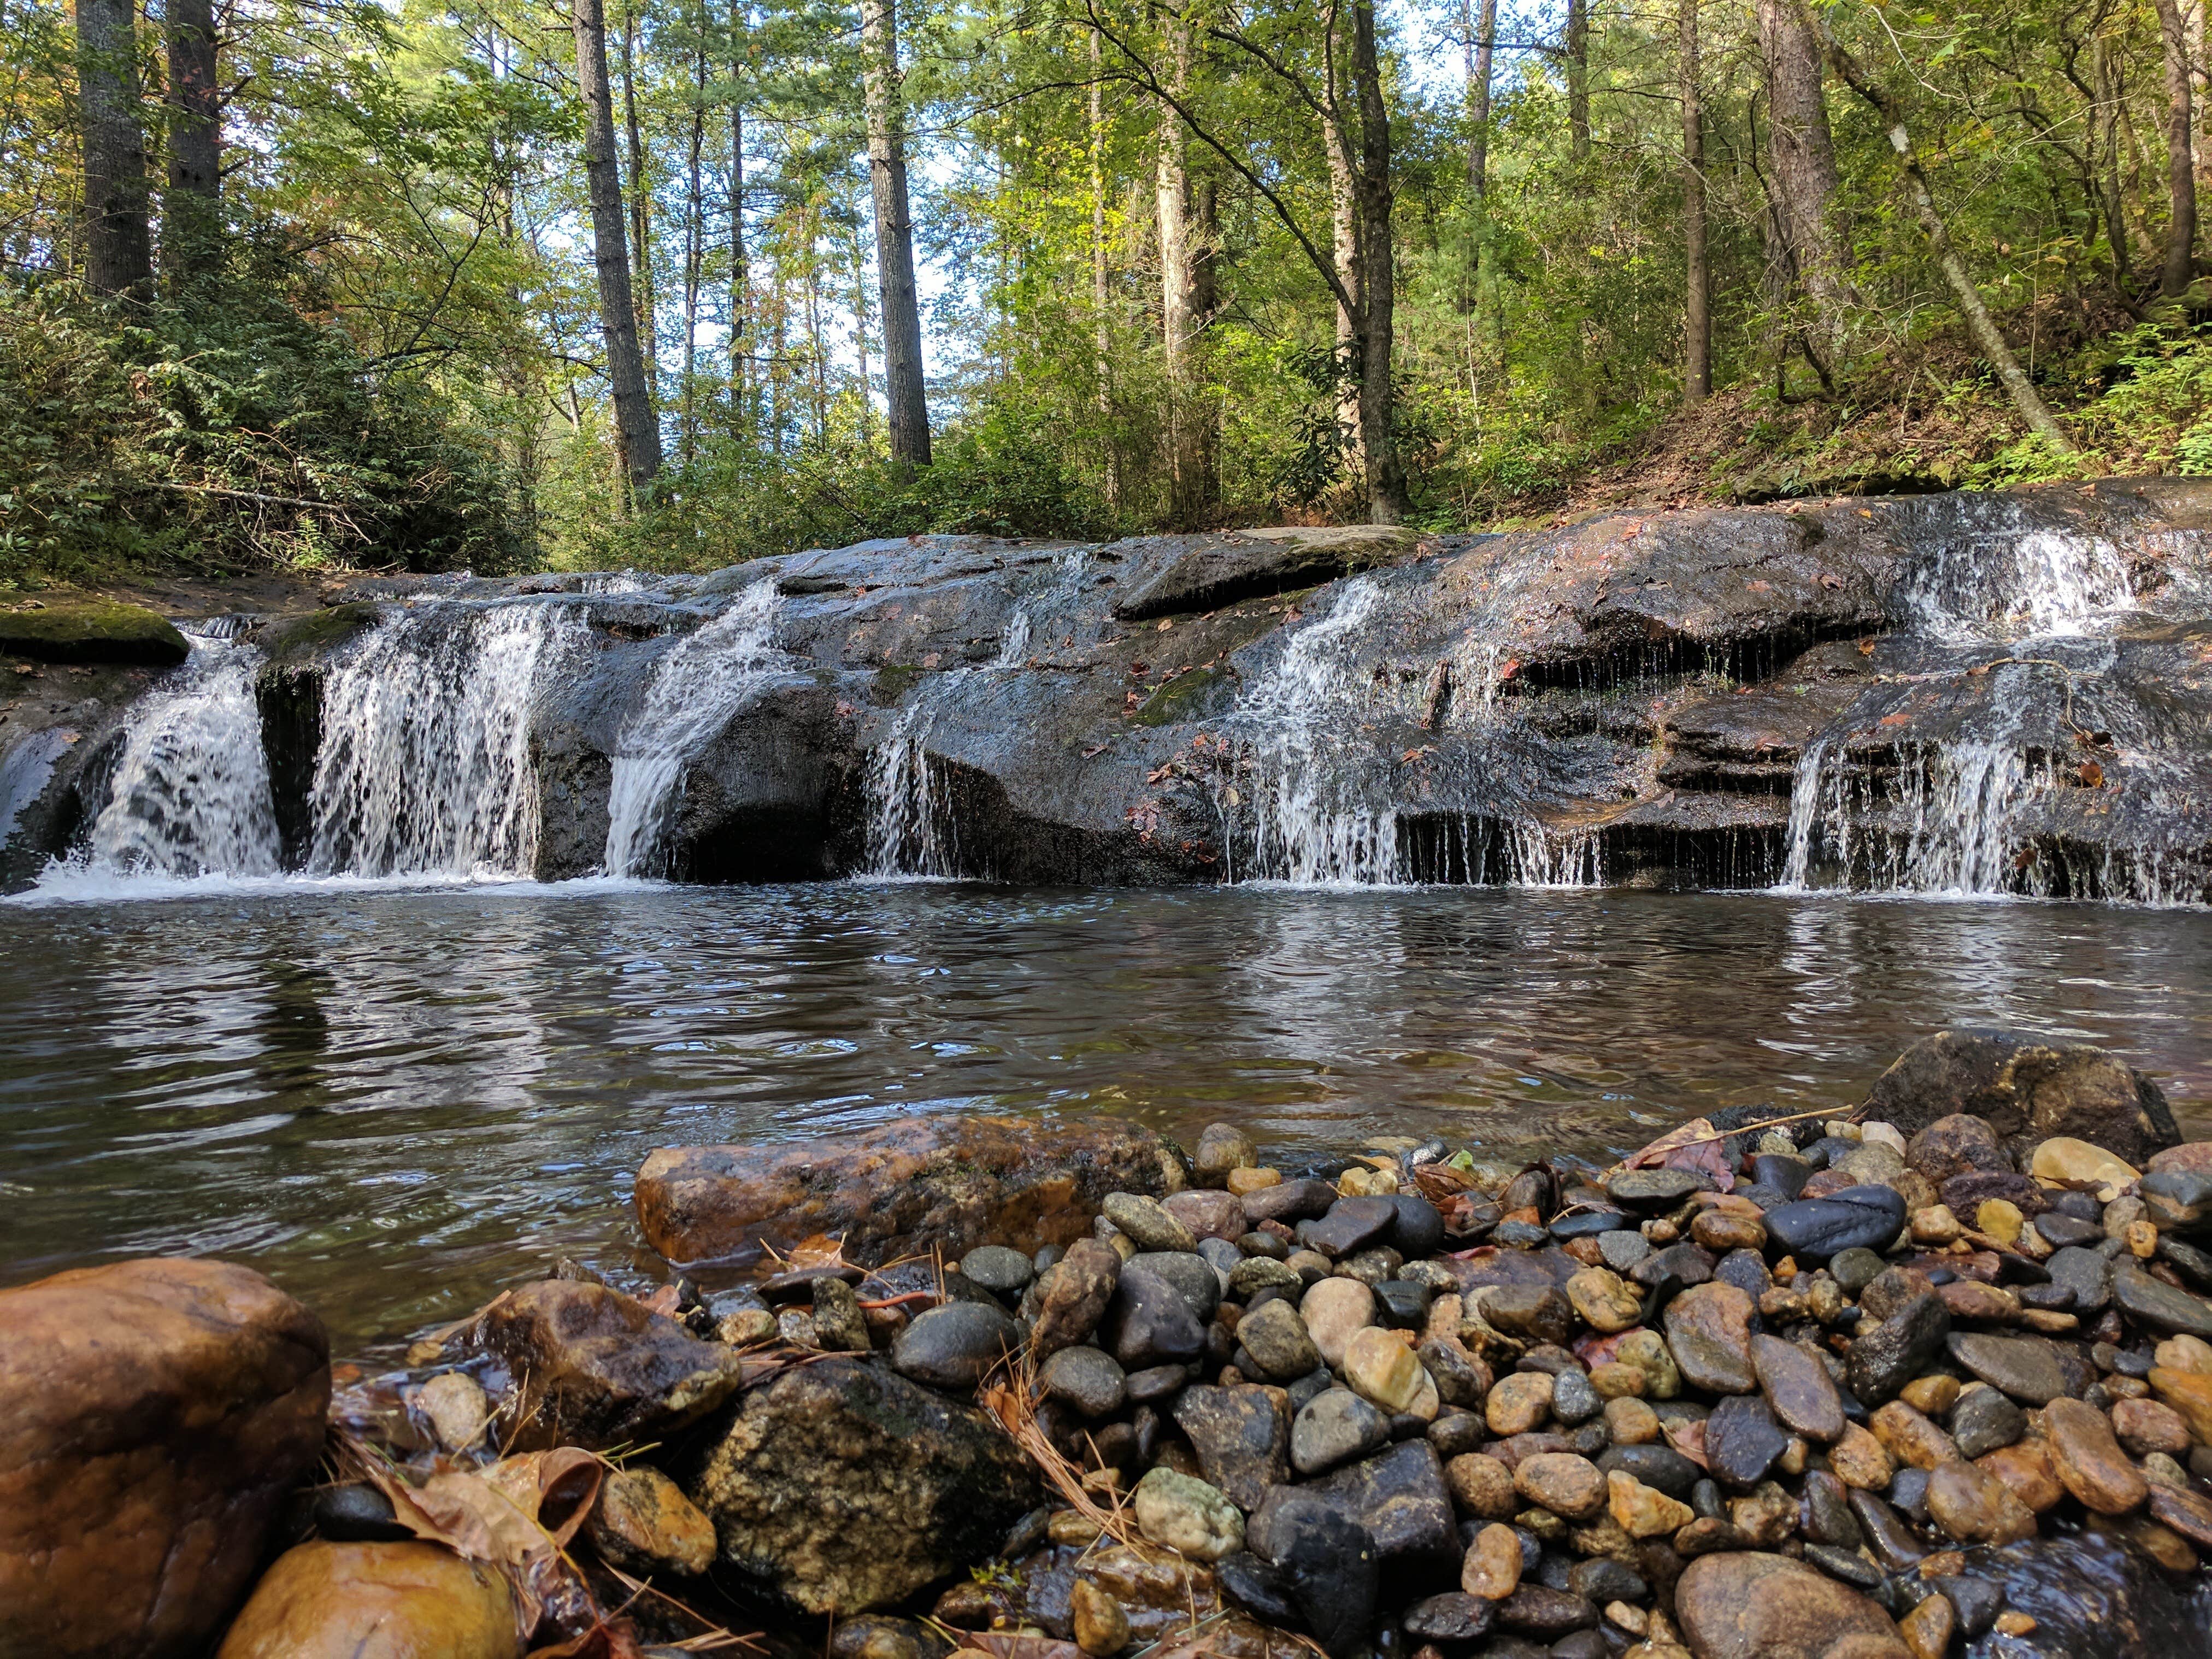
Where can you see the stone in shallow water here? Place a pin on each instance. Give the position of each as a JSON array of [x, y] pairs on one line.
[[952, 1347], [1749, 1605], [2023, 1367], [1974, 1507]]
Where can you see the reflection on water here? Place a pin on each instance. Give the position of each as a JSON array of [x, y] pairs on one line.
[[395, 1100]]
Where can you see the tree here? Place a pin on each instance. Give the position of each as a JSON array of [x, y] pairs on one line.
[[1801, 156], [1697, 302], [638, 433], [191, 208], [118, 241], [2174, 271], [903, 389]]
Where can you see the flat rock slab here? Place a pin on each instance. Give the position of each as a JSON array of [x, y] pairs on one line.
[[955, 1182], [1216, 570]]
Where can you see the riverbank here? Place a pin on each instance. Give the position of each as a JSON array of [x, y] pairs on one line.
[[1935, 1374]]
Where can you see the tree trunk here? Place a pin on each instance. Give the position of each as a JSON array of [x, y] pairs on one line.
[[814, 351], [1482, 51], [2105, 127], [1802, 165], [1179, 297], [2174, 271], [191, 208], [745, 407], [1344, 225], [637, 434], [1578, 131], [117, 243], [1386, 478], [1696, 300], [903, 390], [1979, 323], [695, 248], [860, 338], [640, 209], [1101, 313]]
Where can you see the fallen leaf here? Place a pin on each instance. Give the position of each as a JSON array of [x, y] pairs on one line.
[[1653, 1155], [1166, 622]]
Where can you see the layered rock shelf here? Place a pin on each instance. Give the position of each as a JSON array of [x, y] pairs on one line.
[[2000, 693], [1932, 1378]]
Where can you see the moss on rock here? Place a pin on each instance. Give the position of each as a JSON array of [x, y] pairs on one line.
[[290, 639], [91, 631]]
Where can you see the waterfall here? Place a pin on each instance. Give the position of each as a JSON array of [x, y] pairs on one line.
[[191, 791], [1537, 857], [2036, 584], [912, 827], [697, 686], [425, 766]]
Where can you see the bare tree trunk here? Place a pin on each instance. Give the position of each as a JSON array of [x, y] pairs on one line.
[[1578, 128], [1179, 316], [694, 247], [814, 354], [779, 380], [2174, 271], [637, 434], [192, 208], [2105, 127], [744, 406], [118, 244], [1802, 162], [641, 208], [1481, 51], [1343, 227], [1102, 336], [1696, 300], [1386, 478], [1979, 323], [860, 337], [903, 389]]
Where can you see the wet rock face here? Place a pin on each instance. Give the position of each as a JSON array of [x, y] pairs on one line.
[[839, 1486], [157, 1415], [958, 1181], [597, 1368], [2027, 1091]]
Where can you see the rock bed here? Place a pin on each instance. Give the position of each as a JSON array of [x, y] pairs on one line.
[[1931, 1382]]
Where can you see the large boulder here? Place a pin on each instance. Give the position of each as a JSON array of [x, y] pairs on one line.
[[2028, 1091], [1743, 1604], [597, 1368], [955, 1182], [841, 1485], [156, 1413], [1198, 573], [325, 1601], [90, 630]]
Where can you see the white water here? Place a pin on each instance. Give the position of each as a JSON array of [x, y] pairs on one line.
[[425, 765], [2037, 584], [191, 792], [704, 679], [912, 825]]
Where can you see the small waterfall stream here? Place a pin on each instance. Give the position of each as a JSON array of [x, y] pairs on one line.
[[695, 688], [191, 792], [425, 766]]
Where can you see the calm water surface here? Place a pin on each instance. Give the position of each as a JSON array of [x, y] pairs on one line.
[[395, 1100]]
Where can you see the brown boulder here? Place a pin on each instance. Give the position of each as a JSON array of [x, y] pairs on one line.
[[597, 1368], [156, 1415], [2027, 1090], [955, 1182], [325, 1601], [1744, 1604]]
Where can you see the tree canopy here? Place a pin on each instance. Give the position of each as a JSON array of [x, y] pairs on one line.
[[295, 281]]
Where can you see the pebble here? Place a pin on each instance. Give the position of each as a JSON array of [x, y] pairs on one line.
[[1860, 1460], [1245, 1183], [1149, 1322], [2144, 1426], [953, 1346], [1332, 1566], [2161, 1306], [1101, 1623], [1742, 1441], [1927, 1629], [1492, 1570], [1709, 1335], [1984, 1420], [2025, 1367], [1222, 1147], [1606, 1303], [1629, 1422], [1911, 1439], [1481, 1485], [1351, 1225], [1974, 1507], [1574, 1402], [2000, 1219], [1184, 1513], [1380, 1368], [1798, 1389], [1147, 1223], [1518, 1402], [1335, 1427], [1643, 1511], [1568, 1485], [1887, 1356], [1816, 1228], [2064, 1158], [2026, 1468], [457, 1409], [2088, 1460], [1002, 1271], [1648, 1352], [1622, 1251], [1084, 1378], [1277, 1337], [1334, 1311]]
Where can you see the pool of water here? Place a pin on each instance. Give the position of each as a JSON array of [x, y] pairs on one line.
[[395, 1100]]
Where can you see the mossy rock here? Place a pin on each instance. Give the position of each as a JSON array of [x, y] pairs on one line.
[[290, 640], [92, 630], [1183, 698]]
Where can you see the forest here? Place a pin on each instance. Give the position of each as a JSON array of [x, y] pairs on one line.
[[671, 283]]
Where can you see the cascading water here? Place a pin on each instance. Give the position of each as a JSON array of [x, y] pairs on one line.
[[425, 765], [191, 792], [2035, 584], [695, 688], [912, 829]]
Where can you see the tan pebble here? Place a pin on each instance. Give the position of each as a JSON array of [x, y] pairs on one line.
[[1934, 1225], [1633, 1619], [1660, 1231], [2062, 1157], [1794, 1454], [1518, 1402], [1933, 1394], [2000, 1219], [1493, 1568], [1072, 1527], [1481, 1486], [2143, 1240], [2164, 1546], [747, 1327], [2184, 1353], [1927, 1629], [1842, 1128], [1102, 1625], [2051, 1322], [1786, 1269], [2026, 1468], [1859, 1460], [1944, 1564], [1910, 1438], [1614, 1381], [455, 1404], [1241, 1181], [1643, 1511], [2014, 1624], [1628, 1420]]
